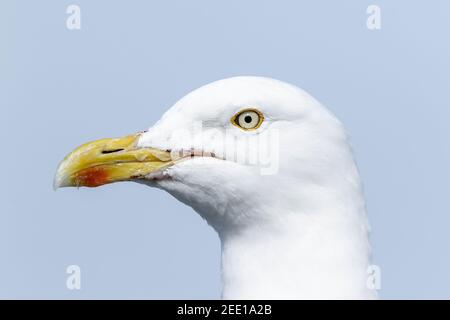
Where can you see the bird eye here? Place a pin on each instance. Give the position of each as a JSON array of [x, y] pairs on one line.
[[249, 119]]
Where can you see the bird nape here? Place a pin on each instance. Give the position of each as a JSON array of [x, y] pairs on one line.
[[269, 168]]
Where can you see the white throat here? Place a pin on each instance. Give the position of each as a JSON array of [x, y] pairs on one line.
[[320, 255]]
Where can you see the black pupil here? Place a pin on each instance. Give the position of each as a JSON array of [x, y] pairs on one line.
[[248, 119]]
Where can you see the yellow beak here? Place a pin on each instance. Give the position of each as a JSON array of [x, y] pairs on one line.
[[109, 160]]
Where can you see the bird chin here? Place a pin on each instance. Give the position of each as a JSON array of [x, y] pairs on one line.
[[158, 175], [188, 180]]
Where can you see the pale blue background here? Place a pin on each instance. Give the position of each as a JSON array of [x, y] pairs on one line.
[[133, 59]]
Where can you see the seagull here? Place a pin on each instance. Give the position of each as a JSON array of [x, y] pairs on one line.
[[269, 168]]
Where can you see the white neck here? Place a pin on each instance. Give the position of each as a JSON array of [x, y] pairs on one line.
[[320, 256]]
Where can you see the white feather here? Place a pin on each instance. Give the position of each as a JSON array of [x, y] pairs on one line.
[[301, 233]]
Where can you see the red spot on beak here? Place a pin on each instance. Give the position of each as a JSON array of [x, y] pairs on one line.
[[91, 177]]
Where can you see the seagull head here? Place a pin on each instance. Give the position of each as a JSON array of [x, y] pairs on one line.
[[240, 151]]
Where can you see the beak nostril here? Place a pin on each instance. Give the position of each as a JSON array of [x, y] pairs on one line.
[[111, 151]]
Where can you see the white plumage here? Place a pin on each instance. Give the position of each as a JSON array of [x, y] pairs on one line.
[[299, 233], [295, 231]]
